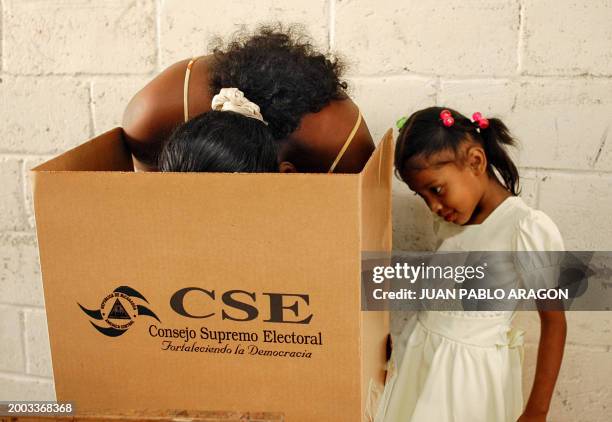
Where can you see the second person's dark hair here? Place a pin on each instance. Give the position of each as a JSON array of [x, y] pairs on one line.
[[424, 134], [220, 141]]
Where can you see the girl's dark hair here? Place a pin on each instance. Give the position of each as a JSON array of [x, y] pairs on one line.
[[424, 134], [220, 141], [280, 70]]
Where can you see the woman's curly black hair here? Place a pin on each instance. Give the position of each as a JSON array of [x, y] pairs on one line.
[[278, 69]]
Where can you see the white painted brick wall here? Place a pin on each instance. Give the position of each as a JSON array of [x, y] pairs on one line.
[[453, 37], [492, 97], [43, 114], [380, 103], [37, 351], [17, 387], [89, 36], [568, 37], [12, 356], [183, 34], [529, 187], [574, 199], [563, 123], [12, 210], [20, 282], [68, 67]]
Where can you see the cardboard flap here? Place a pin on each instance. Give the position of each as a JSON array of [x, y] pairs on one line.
[[376, 235], [376, 186], [106, 152], [382, 158]]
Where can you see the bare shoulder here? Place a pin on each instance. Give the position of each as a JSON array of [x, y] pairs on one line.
[[328, 130], [155, 106], [157, 109]]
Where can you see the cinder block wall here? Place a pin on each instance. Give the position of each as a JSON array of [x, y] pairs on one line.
[[68, 68]]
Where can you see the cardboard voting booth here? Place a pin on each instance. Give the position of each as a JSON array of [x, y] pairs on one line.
[[211, 291]]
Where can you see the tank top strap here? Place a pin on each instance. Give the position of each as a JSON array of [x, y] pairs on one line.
[[186, 86], [346, 143]]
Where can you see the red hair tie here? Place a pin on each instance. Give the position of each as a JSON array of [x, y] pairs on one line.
[[481, 121], [447, 118]]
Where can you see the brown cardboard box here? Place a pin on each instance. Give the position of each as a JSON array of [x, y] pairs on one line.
[[142, 270]]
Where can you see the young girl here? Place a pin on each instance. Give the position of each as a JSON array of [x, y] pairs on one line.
[[466, 366], [233, 137]]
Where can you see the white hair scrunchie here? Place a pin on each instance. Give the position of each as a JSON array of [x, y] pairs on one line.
[[233, 99]]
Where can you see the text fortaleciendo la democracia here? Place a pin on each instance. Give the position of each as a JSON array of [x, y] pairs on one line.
[[458, 274], [186, 339]]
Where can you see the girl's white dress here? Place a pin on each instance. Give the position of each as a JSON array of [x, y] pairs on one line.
[[465, 366]]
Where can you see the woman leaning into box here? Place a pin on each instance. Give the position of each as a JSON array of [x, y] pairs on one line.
[[298, 90]]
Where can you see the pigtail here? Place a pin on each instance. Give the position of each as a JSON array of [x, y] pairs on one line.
[[495, 137]]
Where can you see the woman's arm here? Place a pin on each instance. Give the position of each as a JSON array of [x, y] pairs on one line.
[[553, 329]]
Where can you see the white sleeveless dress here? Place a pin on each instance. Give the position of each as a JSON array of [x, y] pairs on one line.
[[461, 366]]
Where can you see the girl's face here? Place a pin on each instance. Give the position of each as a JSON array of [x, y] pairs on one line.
[[451, 187]]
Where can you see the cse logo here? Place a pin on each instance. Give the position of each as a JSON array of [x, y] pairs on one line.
[[242, 304], [118, 311]]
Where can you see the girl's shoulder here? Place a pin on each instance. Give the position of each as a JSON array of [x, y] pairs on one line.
[[529, 229], [536, 231]]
